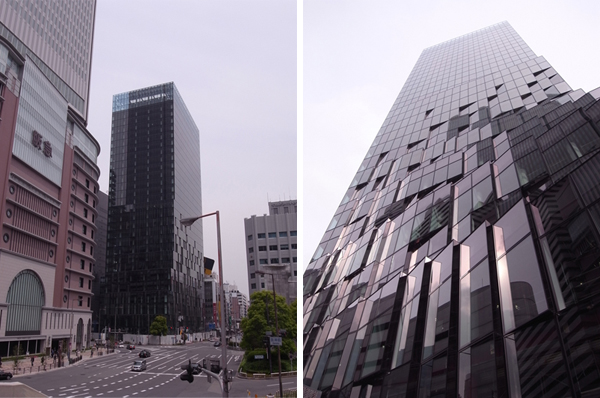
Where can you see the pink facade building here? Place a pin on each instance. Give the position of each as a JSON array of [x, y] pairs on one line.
[[48, 177]]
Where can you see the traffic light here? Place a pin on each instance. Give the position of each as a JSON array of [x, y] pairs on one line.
[[188, 375], [282, 332]]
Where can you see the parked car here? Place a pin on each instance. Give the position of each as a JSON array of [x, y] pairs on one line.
[[130, 347], [139, 365], [217, 344], [5, 375], [145, 354]]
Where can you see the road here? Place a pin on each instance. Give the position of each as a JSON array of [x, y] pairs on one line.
[[111, 376]]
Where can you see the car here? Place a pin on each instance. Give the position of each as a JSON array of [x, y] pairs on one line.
[[5, 375], [120, 346], [139, 365], [217, 344], [145, 354], [130, 347]]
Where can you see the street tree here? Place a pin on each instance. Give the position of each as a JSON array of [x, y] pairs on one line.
[[159, 326], [261, 319]]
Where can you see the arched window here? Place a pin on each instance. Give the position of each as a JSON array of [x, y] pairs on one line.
[[25, 298]]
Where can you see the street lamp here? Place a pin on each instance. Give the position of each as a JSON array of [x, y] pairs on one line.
[[186, 222], [261, 272]]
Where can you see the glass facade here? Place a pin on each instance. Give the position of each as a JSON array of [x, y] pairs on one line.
[[462, 259], [153, 263]]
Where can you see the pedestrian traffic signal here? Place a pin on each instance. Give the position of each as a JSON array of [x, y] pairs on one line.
[[188, 375]]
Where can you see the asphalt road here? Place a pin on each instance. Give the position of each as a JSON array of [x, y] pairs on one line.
[[111, 376]]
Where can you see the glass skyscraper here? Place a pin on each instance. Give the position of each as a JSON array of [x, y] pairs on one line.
[[462, 260], [154, 265]]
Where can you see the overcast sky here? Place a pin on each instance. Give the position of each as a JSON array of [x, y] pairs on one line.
[[358, 54], [234, 64]]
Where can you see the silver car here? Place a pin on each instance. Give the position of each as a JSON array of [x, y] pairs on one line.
[[139, 365]]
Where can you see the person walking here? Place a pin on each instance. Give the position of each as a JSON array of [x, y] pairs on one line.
[[32, 359]]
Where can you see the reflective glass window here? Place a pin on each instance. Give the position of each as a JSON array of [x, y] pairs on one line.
[[482, 193], [334, 362], [507, 181], [433, 378], [438, 320], [463, 206], [475, 304], [536, 366], [477, 371], [521, 289]]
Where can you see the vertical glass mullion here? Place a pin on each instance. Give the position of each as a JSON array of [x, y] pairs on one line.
[[465, 310]]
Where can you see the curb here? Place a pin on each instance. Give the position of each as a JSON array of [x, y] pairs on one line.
[[54, 368]]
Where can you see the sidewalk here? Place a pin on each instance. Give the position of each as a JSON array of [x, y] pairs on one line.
[[25, 367]]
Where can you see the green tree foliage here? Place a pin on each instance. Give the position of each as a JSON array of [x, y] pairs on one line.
[[261, 318], [159, 326]]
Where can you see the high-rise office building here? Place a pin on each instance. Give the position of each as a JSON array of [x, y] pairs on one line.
[[271, 240], [100, 266], [57, 37], [48, 176], [462, 260], [153, 263]]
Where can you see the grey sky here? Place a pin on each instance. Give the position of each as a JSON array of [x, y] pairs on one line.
[[234, 64], [357, 56]]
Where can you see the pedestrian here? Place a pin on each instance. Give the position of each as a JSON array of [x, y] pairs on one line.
[[0, 362], [32, 359]]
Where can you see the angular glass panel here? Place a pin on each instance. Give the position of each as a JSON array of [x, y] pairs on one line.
[[354, 355], [477, 371], [440, 175], [507, 182], [442, 324], [439, 240], [377, 337], [512, 366], [559, 156], [403, 344], [514, 225], [426, 182], [482, 193], [333, 363], [508, 318], [455, 169], [558, 295], [481, 301], [477, 244], [525, 284], [429, 339], [464, 229], [464, 206], [501, 147], [404, 235], [503, 162], [465, 259], [433, 379]]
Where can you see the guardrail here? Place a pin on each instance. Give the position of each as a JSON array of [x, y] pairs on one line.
[[245, 375]]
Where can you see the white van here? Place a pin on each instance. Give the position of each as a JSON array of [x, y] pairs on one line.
[[139, 365]]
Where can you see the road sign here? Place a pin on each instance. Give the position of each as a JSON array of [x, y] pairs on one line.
[[259, 357], [276, 341]]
